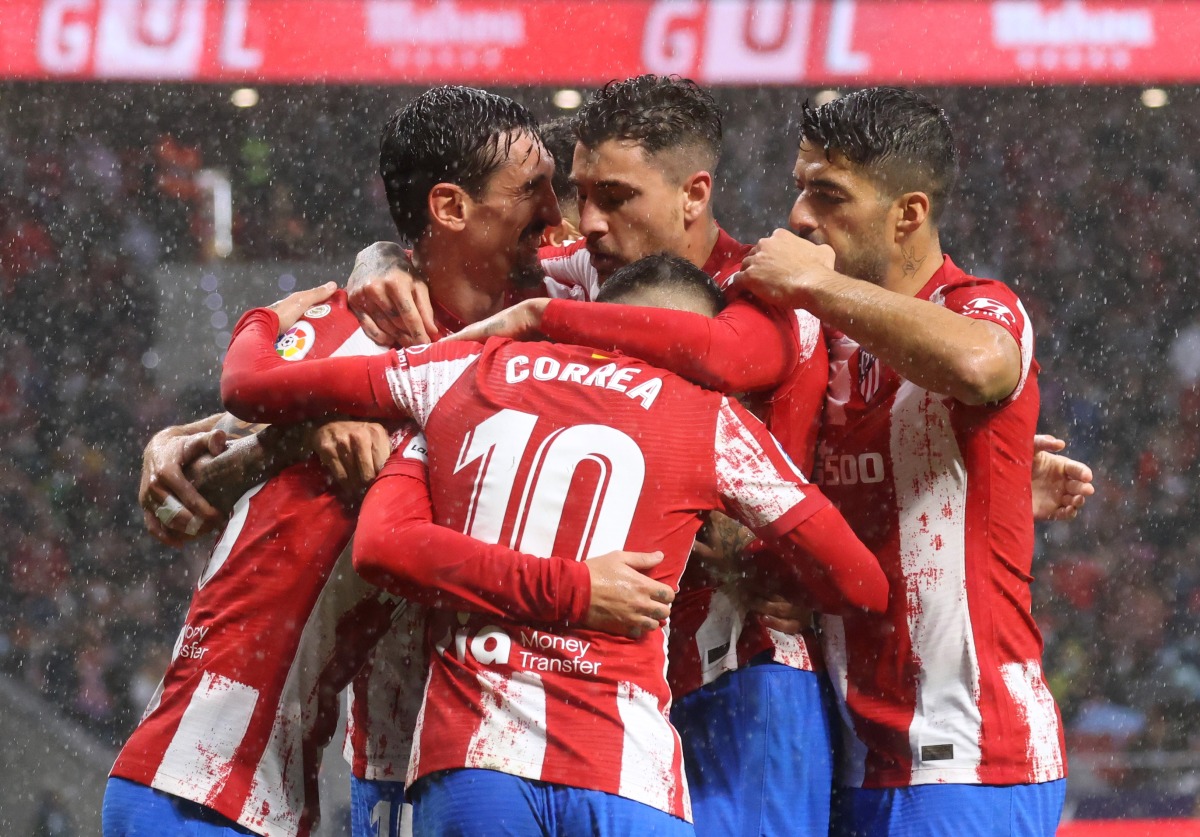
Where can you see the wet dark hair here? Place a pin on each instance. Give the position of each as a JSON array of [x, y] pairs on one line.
[[659, 113], [449, 134], [558, 135], [662, 271], [898, 136]]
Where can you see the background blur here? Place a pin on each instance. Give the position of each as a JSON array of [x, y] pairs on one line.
[[138, 218]]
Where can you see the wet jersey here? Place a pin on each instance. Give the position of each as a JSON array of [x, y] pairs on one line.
[[278, 624], [736, 352], [948, 686], [558, 450]]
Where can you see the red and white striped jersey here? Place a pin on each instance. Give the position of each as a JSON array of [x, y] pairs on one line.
[[714, 631], [277, 626], [948, 685], [560, 450]]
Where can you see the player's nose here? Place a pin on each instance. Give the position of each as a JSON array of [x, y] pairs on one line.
[[801, 220], [592, 222]]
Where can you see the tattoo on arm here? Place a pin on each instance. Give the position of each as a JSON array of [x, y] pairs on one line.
[[911, 263], [260, 452], [235, 428]]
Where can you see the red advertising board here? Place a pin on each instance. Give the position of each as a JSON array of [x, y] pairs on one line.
[[731, 42]]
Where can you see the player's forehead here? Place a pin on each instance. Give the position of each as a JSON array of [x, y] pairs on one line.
[[524, 157], [814, 165], [616, 161]]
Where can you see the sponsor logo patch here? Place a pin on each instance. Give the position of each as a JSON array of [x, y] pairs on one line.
[[997, 311], [296, 342], [317, 312]]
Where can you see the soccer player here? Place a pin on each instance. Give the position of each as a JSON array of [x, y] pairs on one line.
[[571, 709], [925, 447], [229, 743]]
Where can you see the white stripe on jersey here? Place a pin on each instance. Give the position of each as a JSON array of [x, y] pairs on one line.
[[414, 761], [229, 538], [416, 389], [511, 737], [1035, 703], [200, 756], [930, 483], [716, 638], [648, 750], [791, 650], [746, 476]]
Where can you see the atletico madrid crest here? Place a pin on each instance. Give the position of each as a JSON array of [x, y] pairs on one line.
[[870, 373]]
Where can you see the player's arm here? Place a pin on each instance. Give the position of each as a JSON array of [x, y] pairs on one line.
[[745, 348], [971, 360], [258, 385], [812, 547], [399, 548], [173, 510], [352, 453]]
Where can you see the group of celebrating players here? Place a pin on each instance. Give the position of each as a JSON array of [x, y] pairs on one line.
[[545, 612]]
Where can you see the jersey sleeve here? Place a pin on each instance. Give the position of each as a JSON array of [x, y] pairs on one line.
[[991, 301], [257, 384], [745, 348], [401, 549], [569, 272], [813, 548]]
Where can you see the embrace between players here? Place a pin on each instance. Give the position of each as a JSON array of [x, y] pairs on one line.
[[539, 655]]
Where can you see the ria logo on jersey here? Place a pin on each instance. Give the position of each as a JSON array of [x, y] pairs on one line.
[[492, 645]]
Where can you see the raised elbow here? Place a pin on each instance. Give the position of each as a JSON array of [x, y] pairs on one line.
[[986, 374]]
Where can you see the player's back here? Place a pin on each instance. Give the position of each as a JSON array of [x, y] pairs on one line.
[[558, 449]]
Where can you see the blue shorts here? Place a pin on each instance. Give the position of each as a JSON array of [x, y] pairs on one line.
[[378, 809], [950, 811], [469, 802], [133, 810], [757, 748]]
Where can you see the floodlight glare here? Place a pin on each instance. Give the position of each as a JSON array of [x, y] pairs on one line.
[[244, 97]]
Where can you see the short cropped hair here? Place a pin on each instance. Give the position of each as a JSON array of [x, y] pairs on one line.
[[449, 134], [666, 273], [900, 137], [558, 135], [659, 113]]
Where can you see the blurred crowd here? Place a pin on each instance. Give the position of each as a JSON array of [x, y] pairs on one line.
[[1078, 197]]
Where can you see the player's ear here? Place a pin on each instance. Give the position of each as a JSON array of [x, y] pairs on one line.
[[697, 192], [448, 206], [911, 212]]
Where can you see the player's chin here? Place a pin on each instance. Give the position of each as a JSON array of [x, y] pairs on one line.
[[527, 273]]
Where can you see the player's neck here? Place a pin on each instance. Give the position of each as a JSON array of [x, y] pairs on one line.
[[913, 265], [466, 299], [702, 240]]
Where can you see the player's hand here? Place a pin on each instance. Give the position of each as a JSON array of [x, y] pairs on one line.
[[1061, 485], [390, 300], [625, 601], [780, 268], [173, 510], [522, 321], [776, 612], [353, 453], [290, 309]]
